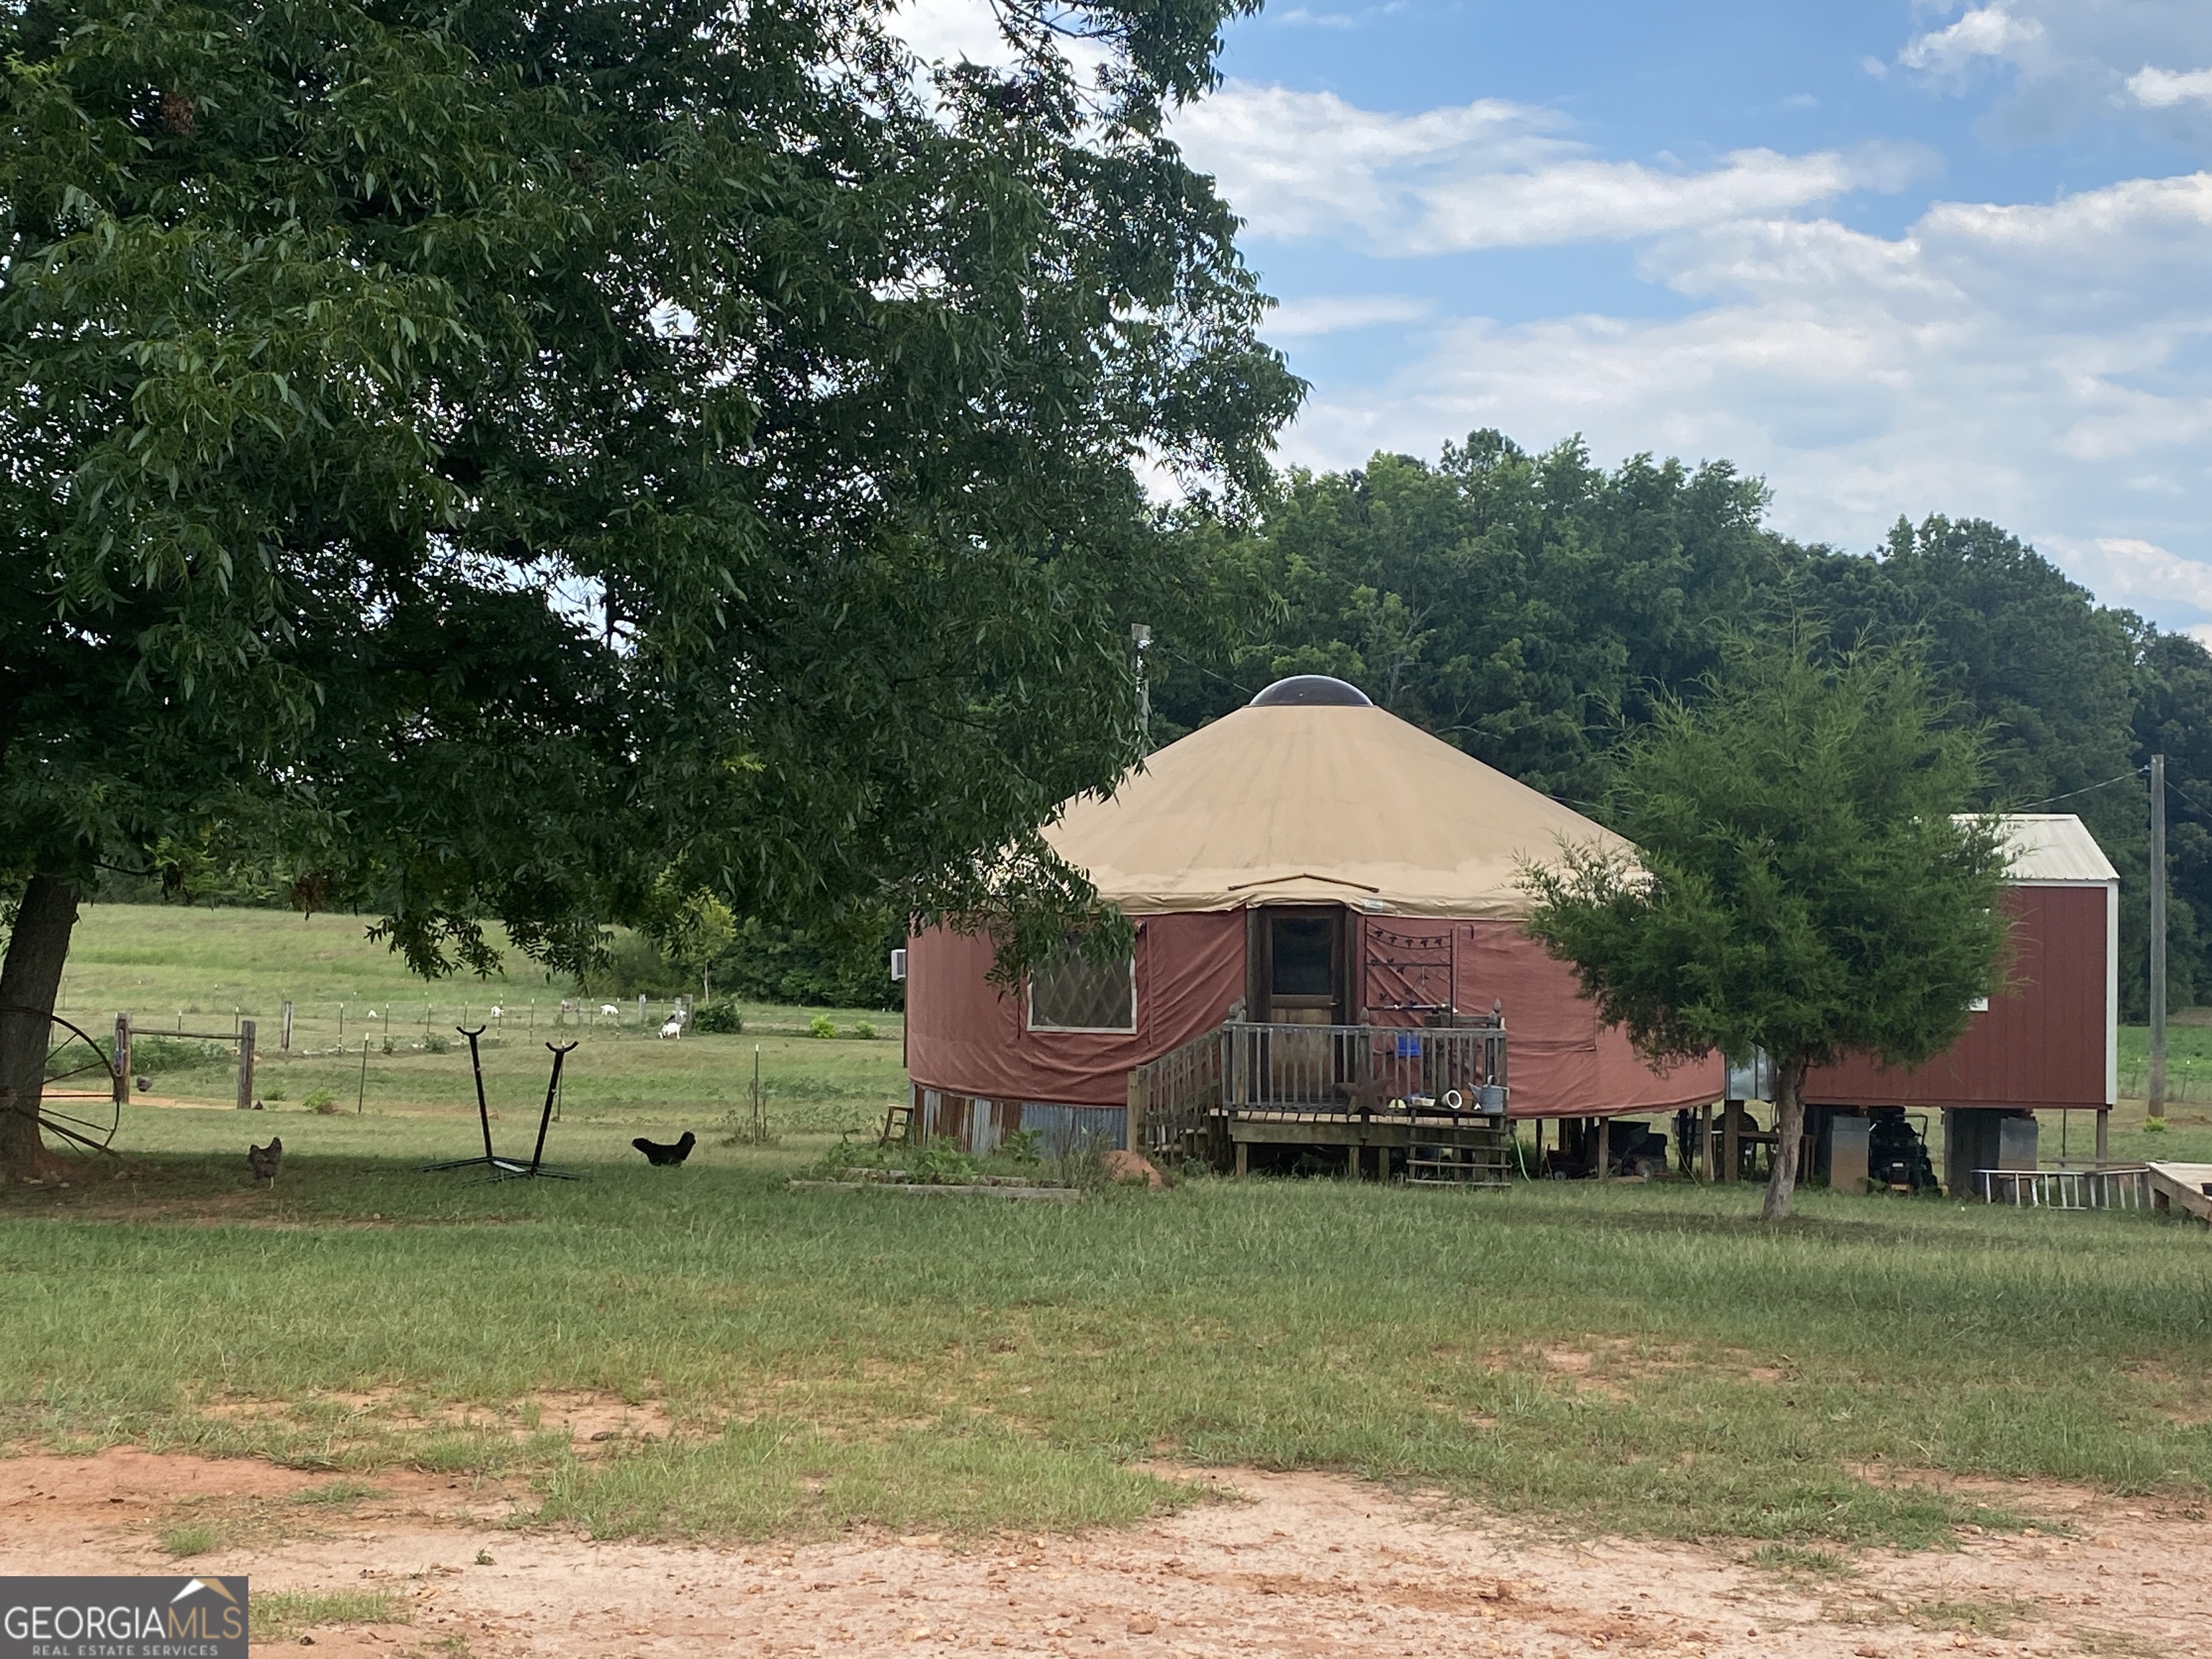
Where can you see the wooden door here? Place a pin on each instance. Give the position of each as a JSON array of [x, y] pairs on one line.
[[1302, 978]]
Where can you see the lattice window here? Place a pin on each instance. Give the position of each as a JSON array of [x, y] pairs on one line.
[[1069, 993]]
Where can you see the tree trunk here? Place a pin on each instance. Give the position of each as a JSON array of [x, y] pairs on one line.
[[1789, 1132], [29, 978]]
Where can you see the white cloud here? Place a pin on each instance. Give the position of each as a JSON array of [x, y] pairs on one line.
[[1487, 174], [2128, 570], [2035, 365], [1985, 31], [945, 30], [2158, 88], [2068, 63], [1304, 318]]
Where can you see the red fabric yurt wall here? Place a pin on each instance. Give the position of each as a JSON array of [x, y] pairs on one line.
[[966, 1038], [2045, 1043]]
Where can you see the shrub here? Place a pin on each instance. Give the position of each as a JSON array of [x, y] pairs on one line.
[[321, 1102], [433, 1044], [719, 1017], [864, 1029], [822, 1026]]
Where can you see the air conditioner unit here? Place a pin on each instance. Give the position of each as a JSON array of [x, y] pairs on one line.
[[898, 963]]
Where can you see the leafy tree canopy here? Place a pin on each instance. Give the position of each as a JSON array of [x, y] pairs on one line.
[[550, 463], [1802, 884]]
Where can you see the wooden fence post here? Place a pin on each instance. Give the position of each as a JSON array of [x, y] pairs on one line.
[[1133, 1125], [246, 1028], [1605, 1148], [1731, 1139], [122, 1059], [285, 1043]]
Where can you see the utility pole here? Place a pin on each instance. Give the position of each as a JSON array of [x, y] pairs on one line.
[[2154, 1113], [1140, 636]]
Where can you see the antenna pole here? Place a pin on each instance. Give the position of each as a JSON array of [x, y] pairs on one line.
[[2155, 1106], [1140, 636]]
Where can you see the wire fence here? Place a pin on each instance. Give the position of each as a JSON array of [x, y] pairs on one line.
[[2187, 1079], [432, 1024]]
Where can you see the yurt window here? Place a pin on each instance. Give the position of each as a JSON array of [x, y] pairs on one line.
[[1069, 993]]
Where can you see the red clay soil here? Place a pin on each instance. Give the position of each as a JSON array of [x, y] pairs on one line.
[[1304, 1565]]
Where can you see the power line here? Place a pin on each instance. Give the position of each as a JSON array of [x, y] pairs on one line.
[[2086, 789], [1203, 669]]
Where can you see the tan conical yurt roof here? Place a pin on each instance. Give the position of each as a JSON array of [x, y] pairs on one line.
[[1296, 800]]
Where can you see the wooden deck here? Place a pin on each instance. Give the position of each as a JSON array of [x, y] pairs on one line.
[[2186, 1187], [1413, 1094]]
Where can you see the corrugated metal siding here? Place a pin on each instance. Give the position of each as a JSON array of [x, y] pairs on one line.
[[2043, 1044], [977, 1126]]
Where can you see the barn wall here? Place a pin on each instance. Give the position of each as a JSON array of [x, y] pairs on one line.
[[2045, 1043]]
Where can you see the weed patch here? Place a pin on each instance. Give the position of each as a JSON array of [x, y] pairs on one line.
[[283, 1615]]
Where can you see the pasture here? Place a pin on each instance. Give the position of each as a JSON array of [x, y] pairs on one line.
[[1630, 1360]]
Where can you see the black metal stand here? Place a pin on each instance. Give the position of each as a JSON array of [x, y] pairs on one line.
[[536, 1167], [483, 1118]]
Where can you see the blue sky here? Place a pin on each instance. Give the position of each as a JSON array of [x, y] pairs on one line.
[[1894, 256]]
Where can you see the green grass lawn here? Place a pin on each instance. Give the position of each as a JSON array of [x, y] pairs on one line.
[[1649, 1359], [1643, 1358]]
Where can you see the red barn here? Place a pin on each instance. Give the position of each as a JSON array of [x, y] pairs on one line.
[[2050, 1042]]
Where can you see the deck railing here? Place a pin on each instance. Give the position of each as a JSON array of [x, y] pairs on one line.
[[1172, 1100], [1178, 1103]]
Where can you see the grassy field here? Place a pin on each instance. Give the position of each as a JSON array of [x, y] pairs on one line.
[[201, 969], [1644, 1358]]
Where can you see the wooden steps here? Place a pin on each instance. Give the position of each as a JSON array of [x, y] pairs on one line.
[[2183, 1187]]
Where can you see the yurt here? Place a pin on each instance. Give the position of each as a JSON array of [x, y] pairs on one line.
[[1307, 860]]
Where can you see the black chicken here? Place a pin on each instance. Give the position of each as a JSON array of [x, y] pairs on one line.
[[656, 1153], [263, 1160]]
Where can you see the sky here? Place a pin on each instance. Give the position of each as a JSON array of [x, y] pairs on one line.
[[1895, 257]]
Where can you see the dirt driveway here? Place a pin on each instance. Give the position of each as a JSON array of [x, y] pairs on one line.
[[1297, 1563]]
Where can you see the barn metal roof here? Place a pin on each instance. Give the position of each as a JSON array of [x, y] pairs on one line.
[[2054, 848]]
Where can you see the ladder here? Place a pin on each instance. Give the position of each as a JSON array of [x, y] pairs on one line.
[[898, 1124]]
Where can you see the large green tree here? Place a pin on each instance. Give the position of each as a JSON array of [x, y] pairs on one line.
[[550, 463], [1802, 885], [1516, 606]]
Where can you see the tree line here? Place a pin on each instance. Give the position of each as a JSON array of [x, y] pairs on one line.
[[1534, 607]]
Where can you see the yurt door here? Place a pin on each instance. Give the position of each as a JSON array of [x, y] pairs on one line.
[[1299, 977]]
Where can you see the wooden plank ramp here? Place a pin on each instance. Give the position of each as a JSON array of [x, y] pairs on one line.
[[2183, 1187]]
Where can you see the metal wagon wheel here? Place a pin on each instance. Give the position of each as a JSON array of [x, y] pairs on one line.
[[77, 1119]]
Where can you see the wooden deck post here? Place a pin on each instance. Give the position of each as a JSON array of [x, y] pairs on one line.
[[1731, 1140], [1605, 1148], [2104, 1132], [1703, 1166], [245, 1029], [1134, 1120]]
